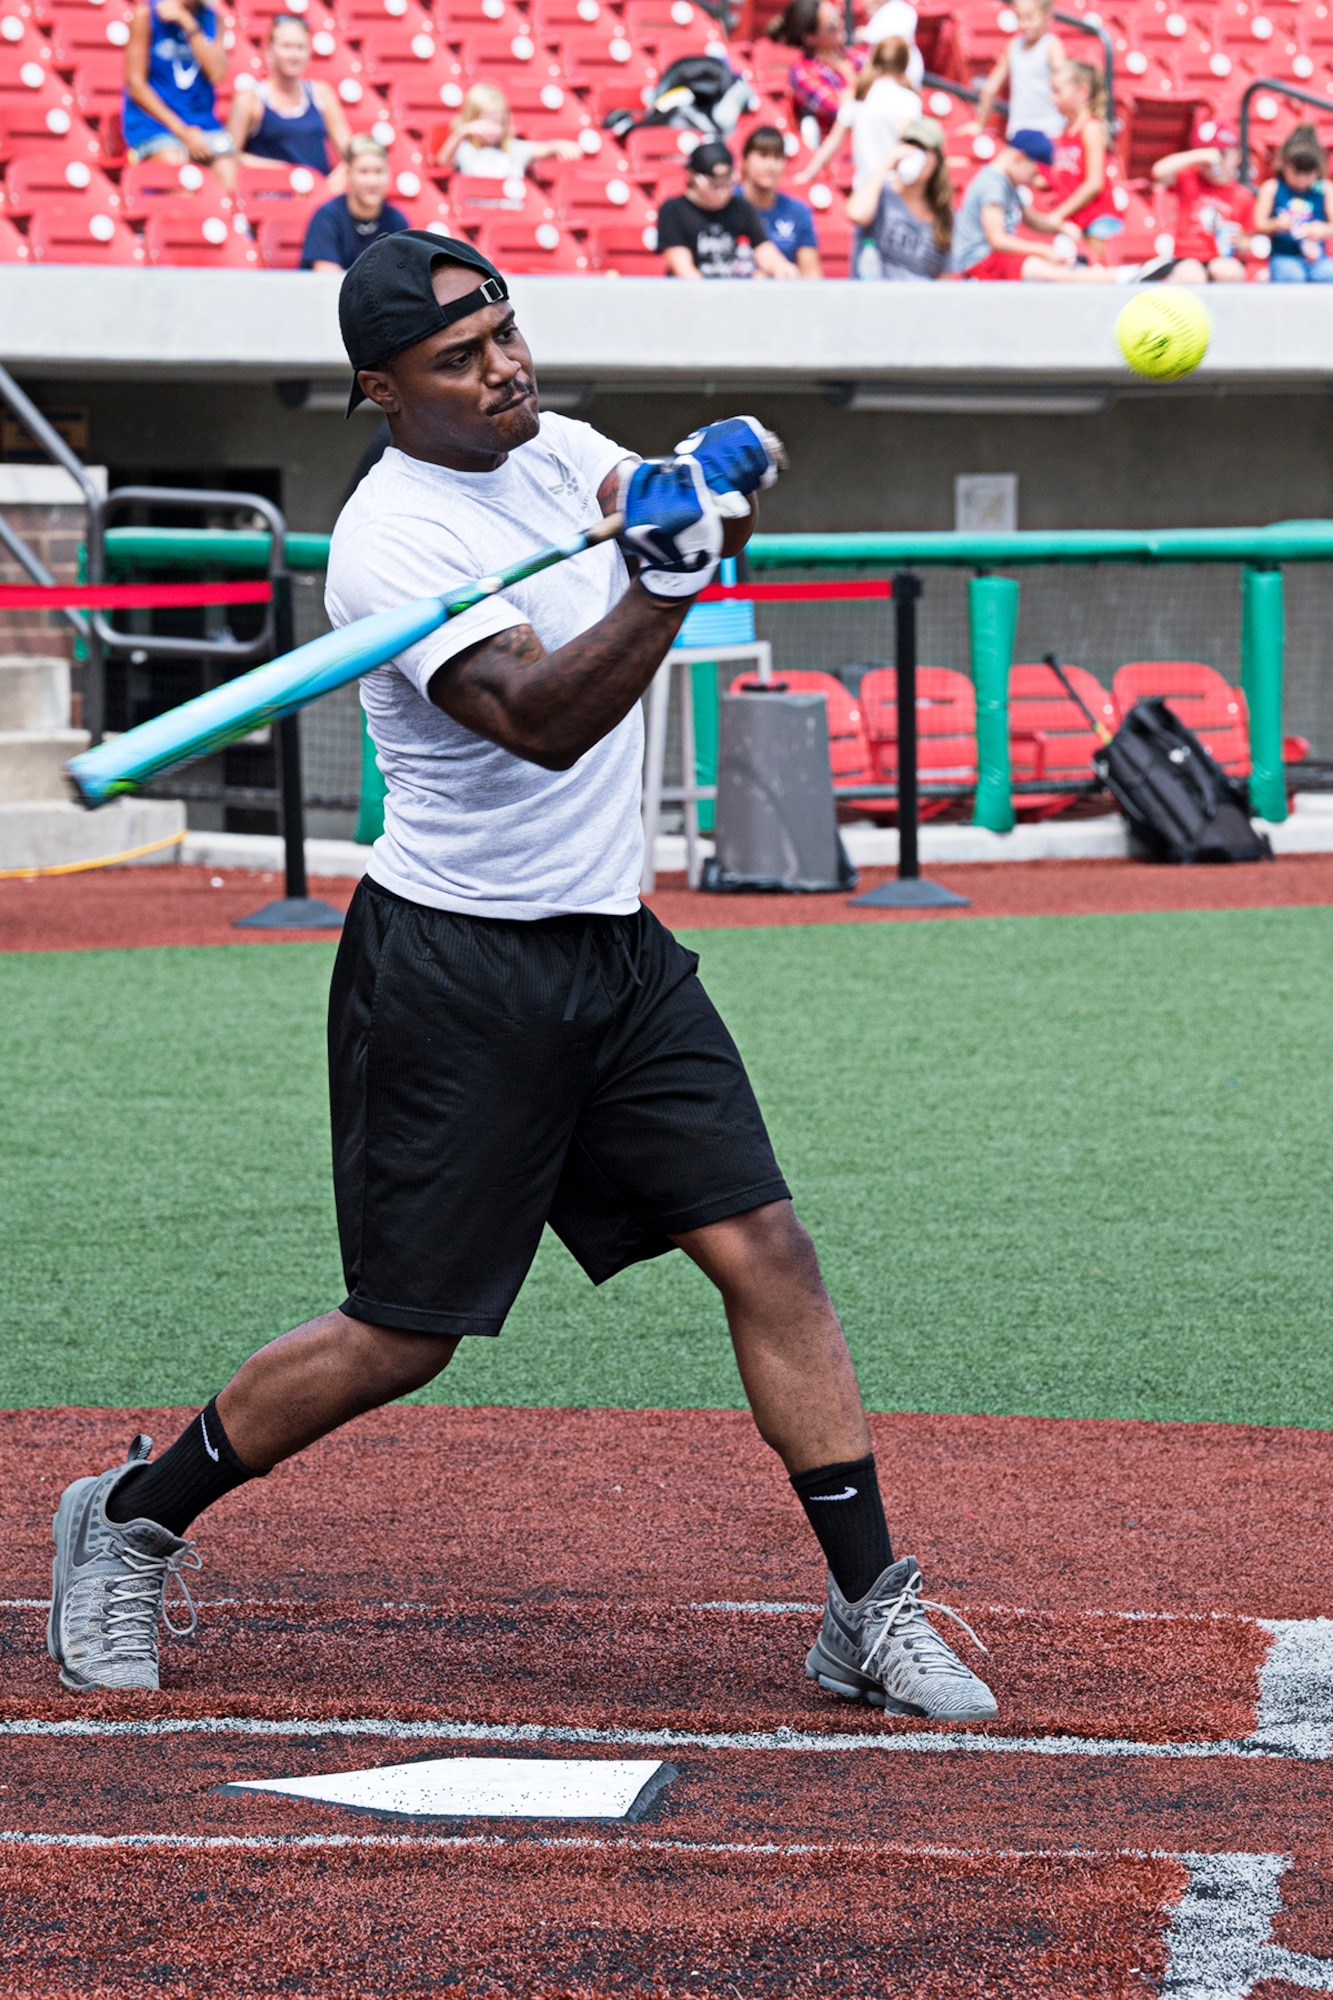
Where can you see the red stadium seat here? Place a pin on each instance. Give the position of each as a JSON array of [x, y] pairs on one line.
[[520, 244], [22, 40], [254, 18], [55, 180], [403, 50], [425, 106], [553, 19], [34, 126], [257, 187], [659, 148], [281, 233], [82, 236], [473, 14], [848, 748], [1049, 736], [360, 20], [624, 251], [837, 237], [189, 233], [475, 199], [545, 107], [89, 33], [605, 55], [99, 87], [146, 184], [495, 58], [1206, 703], [14, 248], [585, 197], [421, 201], [946, 730]]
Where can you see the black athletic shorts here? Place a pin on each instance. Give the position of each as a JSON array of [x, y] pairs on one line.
[[488, 1077]]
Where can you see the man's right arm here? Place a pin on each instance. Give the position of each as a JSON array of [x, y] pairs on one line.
[[551, 708]]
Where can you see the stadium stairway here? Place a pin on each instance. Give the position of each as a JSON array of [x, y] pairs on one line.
[[40, 826]]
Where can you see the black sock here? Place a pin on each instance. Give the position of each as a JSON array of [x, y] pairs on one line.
[[843, 1506], [197, 1470]]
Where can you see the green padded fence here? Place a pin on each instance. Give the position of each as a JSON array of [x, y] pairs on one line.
[[993, 603]]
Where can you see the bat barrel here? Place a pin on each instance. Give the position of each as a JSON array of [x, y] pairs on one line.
[[125, 763]]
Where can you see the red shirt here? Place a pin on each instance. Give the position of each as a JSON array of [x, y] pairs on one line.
[[1068, 171], [1210, 215]]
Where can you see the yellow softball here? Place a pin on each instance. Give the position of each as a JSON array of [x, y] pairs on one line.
[[1164, 332]]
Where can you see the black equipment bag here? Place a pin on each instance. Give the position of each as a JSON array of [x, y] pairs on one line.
[[1180, 804]]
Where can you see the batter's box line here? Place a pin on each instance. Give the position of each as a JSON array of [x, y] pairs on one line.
[[393, 1729]]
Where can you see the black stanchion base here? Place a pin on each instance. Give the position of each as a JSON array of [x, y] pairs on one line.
[[293, 913], [910, 893]]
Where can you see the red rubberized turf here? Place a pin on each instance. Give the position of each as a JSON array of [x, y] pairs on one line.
[[118, 907], [496, 1567]]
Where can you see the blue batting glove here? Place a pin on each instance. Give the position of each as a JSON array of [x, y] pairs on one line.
[[738, 457], [673, 525]]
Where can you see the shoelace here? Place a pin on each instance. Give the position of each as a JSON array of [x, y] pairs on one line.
[[909, 1608], [135, 1602]]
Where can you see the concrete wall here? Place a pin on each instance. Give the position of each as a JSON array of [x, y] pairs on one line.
[[1202, 460]]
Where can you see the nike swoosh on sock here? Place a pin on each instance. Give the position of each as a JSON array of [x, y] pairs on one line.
[[850, 1494], [203, 1432]]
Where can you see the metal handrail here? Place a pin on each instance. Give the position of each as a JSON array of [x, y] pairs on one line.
[[54, 446], [237, 650], [1283, 90]]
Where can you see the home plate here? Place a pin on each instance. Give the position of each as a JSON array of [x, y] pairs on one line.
[[485, 1788]]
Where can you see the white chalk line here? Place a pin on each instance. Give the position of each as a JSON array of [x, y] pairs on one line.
[[1219, 1941], [782, 1739]]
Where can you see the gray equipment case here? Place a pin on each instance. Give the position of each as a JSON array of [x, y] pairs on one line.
[[776, 826]]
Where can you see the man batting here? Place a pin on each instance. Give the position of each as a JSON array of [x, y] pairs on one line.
[[513, 1039]]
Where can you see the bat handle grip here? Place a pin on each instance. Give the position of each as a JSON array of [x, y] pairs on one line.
[[604, 530]]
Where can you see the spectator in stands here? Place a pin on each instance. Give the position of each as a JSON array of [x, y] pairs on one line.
[[905, 210], [896, 20], [1078, 172], [1295, 213], [174, 61], [825, 67], [1214, 212], [481, 140], [342, 228], [286, 117], [789, 223], [875, 111], [1029, 67], [985, 244], [712, 231]]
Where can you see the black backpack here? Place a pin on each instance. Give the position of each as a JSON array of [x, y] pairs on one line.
[[1180, 804]]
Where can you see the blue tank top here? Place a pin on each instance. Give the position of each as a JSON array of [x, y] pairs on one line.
[[176, 77], [1307, 206], [302, 141]]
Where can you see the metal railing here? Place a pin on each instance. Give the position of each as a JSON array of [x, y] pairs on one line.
[[1282, 89]]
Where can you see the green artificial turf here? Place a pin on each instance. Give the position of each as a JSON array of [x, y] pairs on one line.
[[1069, 1166]]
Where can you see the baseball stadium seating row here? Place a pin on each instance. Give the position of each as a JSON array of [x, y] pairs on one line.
[[400, 68], [1049, 735]]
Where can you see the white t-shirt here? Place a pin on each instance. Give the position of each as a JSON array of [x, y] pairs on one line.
[[877, 121], [467, 825]]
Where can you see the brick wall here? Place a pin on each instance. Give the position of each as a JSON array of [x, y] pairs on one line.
[[53, 533]]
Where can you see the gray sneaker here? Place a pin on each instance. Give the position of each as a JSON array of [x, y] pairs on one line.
[[108, 1586], [883, 1651]]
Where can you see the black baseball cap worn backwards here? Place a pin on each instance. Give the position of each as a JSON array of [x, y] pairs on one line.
[[387, 301]]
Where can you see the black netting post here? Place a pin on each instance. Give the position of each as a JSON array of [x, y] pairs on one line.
[[298, 910], [909, 892]]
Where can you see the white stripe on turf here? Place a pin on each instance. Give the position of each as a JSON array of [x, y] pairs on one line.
[[1296, 1688], [929, 1743], [1218, 1943]]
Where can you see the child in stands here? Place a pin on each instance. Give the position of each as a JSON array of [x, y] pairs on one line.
[[789, 223], [1078, 177], [985, 243], [1215, 213], [874, 111], [482, 141], [1294, 210], [1029, 67]]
